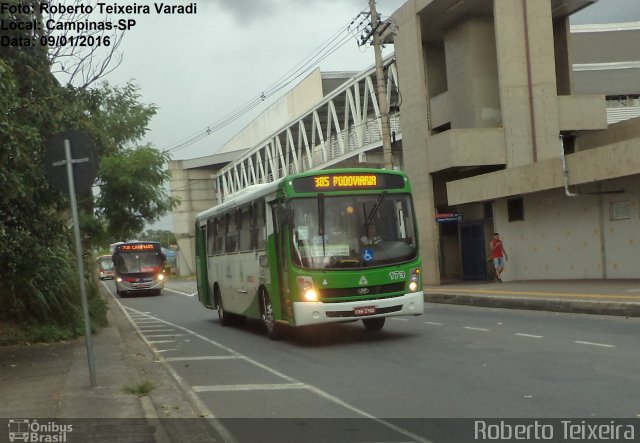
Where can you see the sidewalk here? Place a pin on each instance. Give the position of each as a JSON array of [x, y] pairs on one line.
[[603, 297], [51, 381]]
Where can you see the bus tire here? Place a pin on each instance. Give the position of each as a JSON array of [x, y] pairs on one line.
[[373, 324], [273, 329], [226, 319]]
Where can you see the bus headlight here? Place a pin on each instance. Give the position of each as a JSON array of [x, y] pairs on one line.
[[119, 280], [414, 280], [311, 295], [160, 276], [305, 284]]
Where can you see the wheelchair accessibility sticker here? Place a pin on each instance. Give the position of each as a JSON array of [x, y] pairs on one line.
[[368, 254]]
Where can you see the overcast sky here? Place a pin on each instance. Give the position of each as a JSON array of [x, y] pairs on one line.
[[199, 68]]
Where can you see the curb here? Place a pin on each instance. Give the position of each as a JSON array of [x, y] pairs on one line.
[[574, 306]]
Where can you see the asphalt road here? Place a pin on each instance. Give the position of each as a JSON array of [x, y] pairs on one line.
[[451, 362]]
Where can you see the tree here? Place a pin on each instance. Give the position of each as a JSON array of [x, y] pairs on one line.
[[164, 237], [39, 277], [84, 64], [39, 281], [131, 190]]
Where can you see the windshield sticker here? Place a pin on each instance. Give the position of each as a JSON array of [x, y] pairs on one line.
[[368, 254], [317, 240], [329, 250], [303, 233]]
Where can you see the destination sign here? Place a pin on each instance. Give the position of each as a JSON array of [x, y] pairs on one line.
[[347, 182], [137, 247]]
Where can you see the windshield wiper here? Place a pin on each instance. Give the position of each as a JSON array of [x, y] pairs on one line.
[[321, 221], [374, 210]]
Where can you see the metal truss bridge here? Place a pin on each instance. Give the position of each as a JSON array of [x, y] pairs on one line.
[[345, 124]]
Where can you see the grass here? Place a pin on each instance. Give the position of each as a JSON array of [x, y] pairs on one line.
[[141, 389], [19, 334]]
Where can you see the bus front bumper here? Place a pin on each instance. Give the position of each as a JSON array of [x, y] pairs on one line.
[[311, 313], [123, 286]]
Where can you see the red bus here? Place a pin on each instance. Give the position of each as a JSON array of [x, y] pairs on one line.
[[139, 267]]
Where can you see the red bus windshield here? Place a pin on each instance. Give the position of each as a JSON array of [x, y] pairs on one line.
[[136, 262]]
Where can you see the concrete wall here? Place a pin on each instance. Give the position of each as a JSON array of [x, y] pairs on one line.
[[292, 105], [414, 111], [472, 75], [196, 191], [572, 237]]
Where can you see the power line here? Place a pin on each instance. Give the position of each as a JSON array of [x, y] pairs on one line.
[[328, 47]]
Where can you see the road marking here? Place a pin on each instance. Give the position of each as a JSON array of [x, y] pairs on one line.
[[181, 293], [475, 329], [594, 344], [222, 430], [399, 319], [226, 435], [161, 341], [257, 387], [158, 330], [204, 357], [165, 335], [528, 335], [433, 323]]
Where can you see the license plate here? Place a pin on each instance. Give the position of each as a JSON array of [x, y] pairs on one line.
[[364, 310]]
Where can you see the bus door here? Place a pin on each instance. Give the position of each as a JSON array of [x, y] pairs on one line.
[[201, 265], [280, 272]]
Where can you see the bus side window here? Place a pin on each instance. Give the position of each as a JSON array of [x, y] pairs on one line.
[[259, 226], [211, 239], [219, 235], [245, 228], [231, 241]]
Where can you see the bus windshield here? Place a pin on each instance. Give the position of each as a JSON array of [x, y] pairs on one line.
[[138, 262], [335, 232]]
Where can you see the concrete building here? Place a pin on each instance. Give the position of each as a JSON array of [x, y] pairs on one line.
[[606, 60], [193, 182], [493, 112]]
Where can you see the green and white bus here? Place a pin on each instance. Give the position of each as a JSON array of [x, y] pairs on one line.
[[317, 247]]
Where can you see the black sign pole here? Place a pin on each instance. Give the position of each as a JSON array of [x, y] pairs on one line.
[[76, 231]]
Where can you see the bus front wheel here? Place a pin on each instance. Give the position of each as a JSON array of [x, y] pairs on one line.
[[373, 324], [274, 330]]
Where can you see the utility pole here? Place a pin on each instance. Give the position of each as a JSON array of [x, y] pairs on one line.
[[382, 91]]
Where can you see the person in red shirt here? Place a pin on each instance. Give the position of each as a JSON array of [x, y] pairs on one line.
[[499, 255]]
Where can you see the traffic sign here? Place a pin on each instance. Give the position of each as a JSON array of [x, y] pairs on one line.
[[83, 158]]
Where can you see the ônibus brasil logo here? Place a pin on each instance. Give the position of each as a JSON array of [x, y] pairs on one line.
[[23, 429]]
